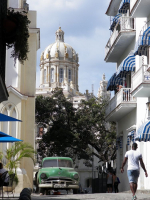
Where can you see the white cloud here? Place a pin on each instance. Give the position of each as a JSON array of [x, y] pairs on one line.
[[86, 29]]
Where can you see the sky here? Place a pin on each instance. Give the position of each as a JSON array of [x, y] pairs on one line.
[[86, 28]]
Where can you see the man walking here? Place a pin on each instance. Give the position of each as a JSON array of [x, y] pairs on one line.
[[133, 158]]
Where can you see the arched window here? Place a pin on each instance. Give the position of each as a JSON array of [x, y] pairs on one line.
[[44, 75], [13, 124], [69, 75], [52, 75], [61, 72]]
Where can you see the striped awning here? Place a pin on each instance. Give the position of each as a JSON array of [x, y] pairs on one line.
[[143, 132], [113, 81], [126, 66], [124, 6], [131, 137], [142, 43], [115, 21]]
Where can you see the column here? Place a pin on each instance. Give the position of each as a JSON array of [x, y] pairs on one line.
[[49, 74], [67, 72], [55, 73]]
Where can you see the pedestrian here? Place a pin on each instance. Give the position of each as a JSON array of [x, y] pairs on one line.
[[109, 182], [2, 170], [116, 183], [133, 157]]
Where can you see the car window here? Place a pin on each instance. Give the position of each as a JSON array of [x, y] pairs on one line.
[[65, 163], [50, 163]]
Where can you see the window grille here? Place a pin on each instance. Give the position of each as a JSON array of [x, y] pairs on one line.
[[61, 72], [52, 75]]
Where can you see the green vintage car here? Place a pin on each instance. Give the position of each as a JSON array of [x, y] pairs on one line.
[[57, 173]]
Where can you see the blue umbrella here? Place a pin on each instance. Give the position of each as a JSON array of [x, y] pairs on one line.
[[7, 138], [7, 118]]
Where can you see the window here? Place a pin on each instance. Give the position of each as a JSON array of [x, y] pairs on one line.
[[69, 75], [61, 75], [44, 75], [52, 75]]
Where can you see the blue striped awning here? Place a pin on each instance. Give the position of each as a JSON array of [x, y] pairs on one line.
[[115, 21], [124, 6], [126, 66], [113, 81], [142, 43], [143, 132]]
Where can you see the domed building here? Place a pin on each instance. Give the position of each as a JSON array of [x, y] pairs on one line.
[[59, 67]]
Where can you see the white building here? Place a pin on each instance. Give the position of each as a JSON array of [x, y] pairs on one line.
[[21, 81], [59, 68], [129, 47]]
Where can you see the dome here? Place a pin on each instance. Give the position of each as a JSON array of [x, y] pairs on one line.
[[60, 50]]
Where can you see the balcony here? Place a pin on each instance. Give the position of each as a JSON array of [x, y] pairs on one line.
[[141, 82], [121, 38], [120, 105], [140, 8], [113, 7]]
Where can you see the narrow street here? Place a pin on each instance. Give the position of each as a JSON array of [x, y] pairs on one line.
[[98, 196]]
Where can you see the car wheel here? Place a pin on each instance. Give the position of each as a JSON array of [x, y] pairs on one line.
[[75, 191], [41, 190]]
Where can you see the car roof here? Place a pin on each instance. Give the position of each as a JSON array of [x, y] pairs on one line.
[[57, 158]]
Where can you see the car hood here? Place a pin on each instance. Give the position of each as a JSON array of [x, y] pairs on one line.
[[58, 172]]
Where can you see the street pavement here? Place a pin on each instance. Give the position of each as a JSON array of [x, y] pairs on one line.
[[97, 196]]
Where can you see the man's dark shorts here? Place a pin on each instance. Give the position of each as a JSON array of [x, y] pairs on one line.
[[109, 185], [133, 176]]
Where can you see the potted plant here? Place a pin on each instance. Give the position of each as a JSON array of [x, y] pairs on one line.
[[16, 34]]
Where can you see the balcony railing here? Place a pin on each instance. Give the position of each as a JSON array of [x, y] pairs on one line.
[[123, 96], [141, 76], [125, 24]]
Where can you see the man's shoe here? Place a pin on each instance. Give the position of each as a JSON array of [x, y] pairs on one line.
[[134, 198]]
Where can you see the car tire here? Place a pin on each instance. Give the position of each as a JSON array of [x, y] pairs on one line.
[[75, 191], [42, 190]]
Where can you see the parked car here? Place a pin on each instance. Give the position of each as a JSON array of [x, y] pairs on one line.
[[57, 173]]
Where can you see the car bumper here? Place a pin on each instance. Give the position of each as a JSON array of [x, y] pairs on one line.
[[58, 186]]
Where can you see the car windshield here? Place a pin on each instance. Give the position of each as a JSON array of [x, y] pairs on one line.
[[61, 163], [50, 163], [65, 163]]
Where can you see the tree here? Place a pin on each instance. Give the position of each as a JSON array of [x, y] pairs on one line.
[[77, 133]]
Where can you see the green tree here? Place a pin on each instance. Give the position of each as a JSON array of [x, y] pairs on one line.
[[16, 153], [78, 133]]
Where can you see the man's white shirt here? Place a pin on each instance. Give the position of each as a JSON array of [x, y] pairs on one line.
[[133, 159]]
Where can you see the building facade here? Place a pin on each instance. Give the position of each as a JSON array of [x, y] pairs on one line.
[[21, 83], [59, 66], [128, 47]]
